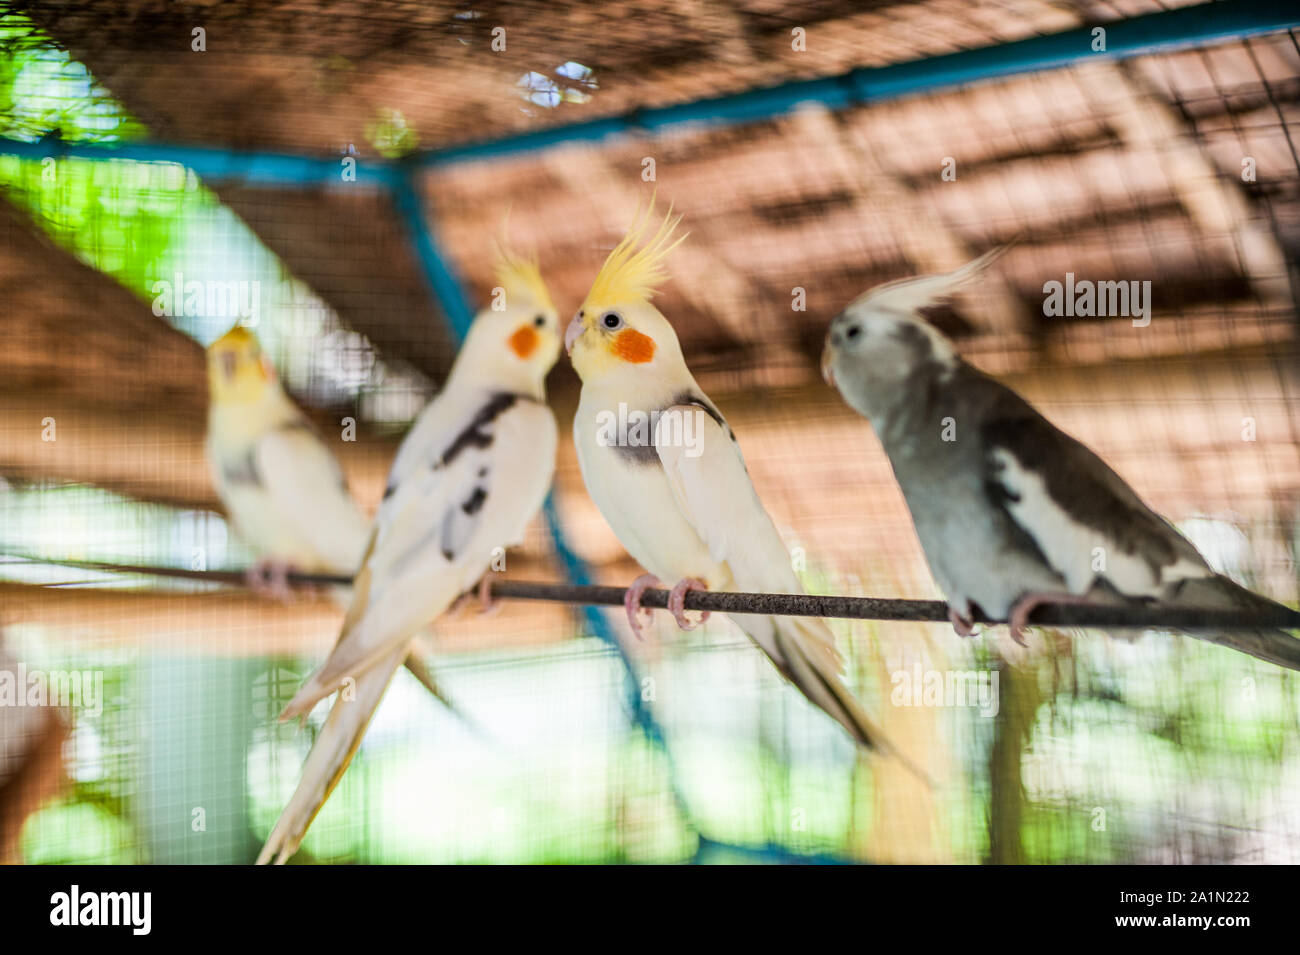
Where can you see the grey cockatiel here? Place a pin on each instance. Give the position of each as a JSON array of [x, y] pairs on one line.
[[1011, 511]]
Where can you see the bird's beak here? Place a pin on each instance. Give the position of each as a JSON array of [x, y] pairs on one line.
[[229, 363], [828, 370], [573, 333]]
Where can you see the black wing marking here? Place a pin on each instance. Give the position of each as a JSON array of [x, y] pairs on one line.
[[697, 399], [243, 470], [477, 434], [459, 523], [646, 454], [1076, 479], [461, 518]]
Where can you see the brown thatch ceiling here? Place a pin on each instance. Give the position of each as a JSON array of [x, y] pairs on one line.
[[302, 75], [1129, 171], [70, 330], [353, 251]]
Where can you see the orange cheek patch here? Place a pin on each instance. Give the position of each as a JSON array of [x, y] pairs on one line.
[[631, 346], [523, 341]]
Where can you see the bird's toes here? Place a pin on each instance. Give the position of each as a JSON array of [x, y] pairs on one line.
[[632, 602], [269, 579], [962, 625], [487, 606], [259, 578], [677, 602]]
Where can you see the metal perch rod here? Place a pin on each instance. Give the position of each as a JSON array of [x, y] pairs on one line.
[[792, 605]]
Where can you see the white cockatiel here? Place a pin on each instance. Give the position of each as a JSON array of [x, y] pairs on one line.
[[676, 492], [467, 480], [281, 487]]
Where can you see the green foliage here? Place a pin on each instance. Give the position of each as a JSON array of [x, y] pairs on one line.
[[43, 91]]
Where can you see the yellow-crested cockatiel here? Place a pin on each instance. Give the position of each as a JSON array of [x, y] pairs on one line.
[[467, 480], [677, 493], [282, 488]]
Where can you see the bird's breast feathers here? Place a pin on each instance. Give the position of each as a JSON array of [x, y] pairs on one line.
[[625, 478]]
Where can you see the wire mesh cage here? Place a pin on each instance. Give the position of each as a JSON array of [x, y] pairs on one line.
[[336, 181]]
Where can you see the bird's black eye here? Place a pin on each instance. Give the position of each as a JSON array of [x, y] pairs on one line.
[[853, 332], [611, 320], [540, 321]]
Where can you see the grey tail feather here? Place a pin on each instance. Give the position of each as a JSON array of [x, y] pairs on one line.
[[1272, 646], [1268, 644]]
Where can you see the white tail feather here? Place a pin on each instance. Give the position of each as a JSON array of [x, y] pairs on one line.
[[329, 757]]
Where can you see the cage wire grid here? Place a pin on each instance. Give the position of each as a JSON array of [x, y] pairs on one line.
[[578, 744]]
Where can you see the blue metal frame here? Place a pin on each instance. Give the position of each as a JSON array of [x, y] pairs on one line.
[[1151, 33], [261, 167], [439, 272]]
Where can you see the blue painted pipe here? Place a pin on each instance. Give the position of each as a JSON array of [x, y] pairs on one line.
[[260, 167], [1152, 33], [1155, 32], [444, 283]]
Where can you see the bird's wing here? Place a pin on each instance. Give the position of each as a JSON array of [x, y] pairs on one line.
[[713, 490], [436, 531], [305, 483], [1080, 516]]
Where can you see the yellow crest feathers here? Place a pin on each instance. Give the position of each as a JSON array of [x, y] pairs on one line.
[[635, 268], [238, 335], [521, 278]]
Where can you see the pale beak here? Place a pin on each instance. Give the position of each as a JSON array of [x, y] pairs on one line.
[[573, 333], [828, 371], [229, 363]]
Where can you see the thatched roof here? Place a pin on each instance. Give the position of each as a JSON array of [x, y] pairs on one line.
[[72, 330], [1110, 171]]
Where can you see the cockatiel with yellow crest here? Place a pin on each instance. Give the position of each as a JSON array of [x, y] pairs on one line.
[[467, 480], [282, 488], [677, 493]]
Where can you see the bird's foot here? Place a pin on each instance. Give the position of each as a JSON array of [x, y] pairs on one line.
[[965, 626], [677, 602], [1018, 618], [270, 578], [632, 601], [486, 605], [483, 590]]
